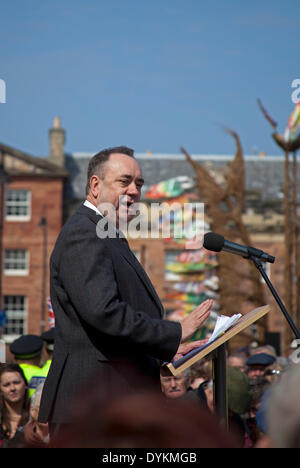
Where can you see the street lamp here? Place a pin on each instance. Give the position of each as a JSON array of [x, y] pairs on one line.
[[44, 225]]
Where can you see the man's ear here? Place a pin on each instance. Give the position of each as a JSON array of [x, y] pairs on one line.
[[95, 186]]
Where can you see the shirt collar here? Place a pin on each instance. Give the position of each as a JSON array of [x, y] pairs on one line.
[[93, 207], [90, 205]]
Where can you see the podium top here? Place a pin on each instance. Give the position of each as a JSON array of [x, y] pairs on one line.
[[199, 353]]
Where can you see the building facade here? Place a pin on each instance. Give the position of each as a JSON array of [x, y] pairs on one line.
[[44, 192], [32, 217]]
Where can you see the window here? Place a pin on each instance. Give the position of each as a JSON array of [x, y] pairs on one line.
[[17, 205], [16, 262], [16, 312]]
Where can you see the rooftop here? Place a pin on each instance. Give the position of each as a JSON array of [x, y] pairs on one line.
[[264, 174]]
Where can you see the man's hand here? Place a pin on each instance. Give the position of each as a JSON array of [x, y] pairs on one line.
[[187, 347], [195, 319]]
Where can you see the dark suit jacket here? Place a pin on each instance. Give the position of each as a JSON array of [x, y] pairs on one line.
[[106, 311]]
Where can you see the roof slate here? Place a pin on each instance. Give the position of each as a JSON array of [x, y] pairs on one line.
[[264, 175]]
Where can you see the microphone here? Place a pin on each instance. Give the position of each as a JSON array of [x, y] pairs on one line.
[[216, 243]]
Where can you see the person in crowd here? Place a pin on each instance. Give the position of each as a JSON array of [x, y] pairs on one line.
[[179, 387], [273, 375], [200, 372], [257, 364], [266, 349], [134, 419], [282, 411], [48, 339], [27, 352], [208, 388], [107, 312], [175, 386], [238, 361], [239, 399], [14, 405], [259, 386], [200, 375], [36, 434], [243, 351], [274, 372]]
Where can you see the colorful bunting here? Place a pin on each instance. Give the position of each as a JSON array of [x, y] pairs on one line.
[[293, 124], [170, 188]]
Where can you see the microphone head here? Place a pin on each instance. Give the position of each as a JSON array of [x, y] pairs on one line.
[[213, 241]]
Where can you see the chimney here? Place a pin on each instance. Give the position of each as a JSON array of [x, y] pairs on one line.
[[57, 141]]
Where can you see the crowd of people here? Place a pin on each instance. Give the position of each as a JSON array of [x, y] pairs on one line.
[[21, 384], [261, 389], [262, 405]]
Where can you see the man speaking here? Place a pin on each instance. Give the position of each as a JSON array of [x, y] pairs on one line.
[[107, 312]]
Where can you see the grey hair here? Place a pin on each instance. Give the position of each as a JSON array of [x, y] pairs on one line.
[[283, 410]]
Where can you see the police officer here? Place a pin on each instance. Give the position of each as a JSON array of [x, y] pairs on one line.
[[27, 350], [48, 338]]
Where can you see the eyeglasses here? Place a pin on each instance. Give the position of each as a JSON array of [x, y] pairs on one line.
[[273, 372]]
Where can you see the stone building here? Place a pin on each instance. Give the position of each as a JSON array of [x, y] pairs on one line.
[[52, 188], [31, 219]]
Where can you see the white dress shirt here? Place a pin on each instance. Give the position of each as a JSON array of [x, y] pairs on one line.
[[93, 207]]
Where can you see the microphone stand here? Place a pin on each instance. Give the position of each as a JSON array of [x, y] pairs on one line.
[[253, 256], [219, 359]]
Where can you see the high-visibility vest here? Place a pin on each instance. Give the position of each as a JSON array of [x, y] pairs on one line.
[[34, 376], [47, 365]]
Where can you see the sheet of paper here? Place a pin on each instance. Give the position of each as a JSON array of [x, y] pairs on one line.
[[222, 324]]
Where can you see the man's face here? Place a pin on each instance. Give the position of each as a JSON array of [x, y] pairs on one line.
[[255, 371], [123, 182], [174, 387]]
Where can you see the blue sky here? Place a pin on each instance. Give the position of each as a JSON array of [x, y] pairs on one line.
[[154, 75]]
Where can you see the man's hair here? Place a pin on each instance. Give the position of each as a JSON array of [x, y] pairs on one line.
[[97, 163]]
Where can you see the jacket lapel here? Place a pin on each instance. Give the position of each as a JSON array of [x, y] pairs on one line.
[[129, 256], [124, 249]]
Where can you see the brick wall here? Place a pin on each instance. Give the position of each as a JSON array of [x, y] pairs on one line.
[[46, 199]]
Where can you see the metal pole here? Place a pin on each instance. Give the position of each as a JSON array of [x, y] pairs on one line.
[[220, 385], [44, 226]]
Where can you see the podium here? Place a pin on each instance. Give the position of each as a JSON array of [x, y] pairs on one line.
[[218, 351]]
